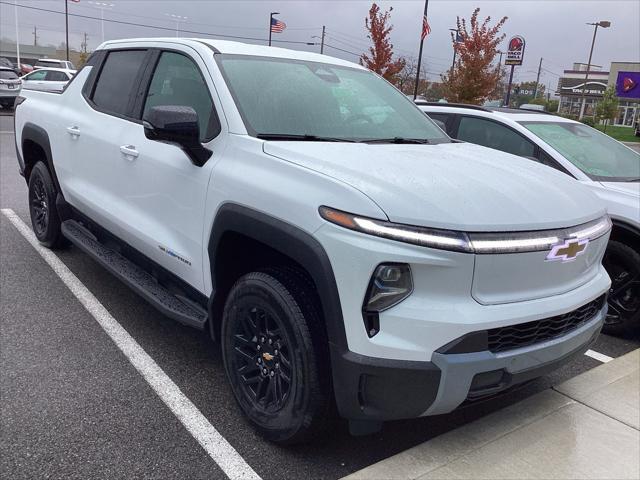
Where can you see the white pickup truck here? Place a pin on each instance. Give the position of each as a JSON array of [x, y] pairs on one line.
[[335, 242]]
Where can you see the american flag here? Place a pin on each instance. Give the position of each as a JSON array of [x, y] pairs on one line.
[[426, 29], [277, 26]]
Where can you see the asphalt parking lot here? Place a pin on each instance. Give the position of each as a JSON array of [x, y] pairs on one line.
[[74, 406]]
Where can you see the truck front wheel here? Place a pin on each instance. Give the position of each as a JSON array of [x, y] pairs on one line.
[[623, 266], [275, 372], [42, 207]]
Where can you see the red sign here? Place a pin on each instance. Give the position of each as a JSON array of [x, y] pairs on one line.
[[515, 52]]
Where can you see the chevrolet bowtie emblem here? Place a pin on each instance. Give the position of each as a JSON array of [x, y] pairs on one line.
[[568, 250], [267, 356]]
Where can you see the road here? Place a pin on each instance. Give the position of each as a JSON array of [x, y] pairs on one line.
[[73, 406]]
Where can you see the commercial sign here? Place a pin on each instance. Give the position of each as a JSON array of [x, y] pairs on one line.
[[628, 85], [515, 51]]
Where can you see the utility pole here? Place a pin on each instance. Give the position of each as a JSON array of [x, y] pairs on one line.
[[603, 24], [535, 92], [322, 41], [35, 36], [85, 43]]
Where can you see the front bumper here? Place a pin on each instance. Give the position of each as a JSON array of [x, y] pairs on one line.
[[377, 389]]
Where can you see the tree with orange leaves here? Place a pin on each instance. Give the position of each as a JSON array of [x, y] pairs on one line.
[[474, 77], [380, 56]]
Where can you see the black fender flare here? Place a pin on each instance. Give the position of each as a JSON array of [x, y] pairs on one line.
[[34, 133], [290, 241]]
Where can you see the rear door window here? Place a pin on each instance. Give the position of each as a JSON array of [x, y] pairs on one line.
[[494, 135], [118, 80], [53, 76]]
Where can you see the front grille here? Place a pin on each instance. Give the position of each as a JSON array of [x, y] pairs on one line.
[[525, 334]]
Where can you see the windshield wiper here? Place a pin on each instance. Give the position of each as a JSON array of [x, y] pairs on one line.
[[300, 138], [633, 179], [399, 140]]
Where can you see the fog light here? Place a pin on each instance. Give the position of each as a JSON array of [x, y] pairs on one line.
[[390, 284]]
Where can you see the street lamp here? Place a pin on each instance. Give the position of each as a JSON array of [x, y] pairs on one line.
[[178, 19], [271, 23], [603, 24], [102, 6]]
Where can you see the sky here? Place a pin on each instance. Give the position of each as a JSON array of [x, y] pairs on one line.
[[555, 30]]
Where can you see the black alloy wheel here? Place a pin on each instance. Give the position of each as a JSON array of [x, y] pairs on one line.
[[623, 266], [262, 359], [275, 355], [42, 208]]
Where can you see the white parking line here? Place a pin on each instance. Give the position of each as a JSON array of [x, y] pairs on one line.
[[601, 357], [227, 458]]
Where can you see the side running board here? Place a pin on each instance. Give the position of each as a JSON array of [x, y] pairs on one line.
[[135, 277]]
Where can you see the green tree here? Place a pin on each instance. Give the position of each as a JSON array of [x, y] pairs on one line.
[[607, 108]]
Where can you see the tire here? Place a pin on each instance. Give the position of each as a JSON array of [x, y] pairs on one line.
[[277, 374], [45, 220], [623, 266]]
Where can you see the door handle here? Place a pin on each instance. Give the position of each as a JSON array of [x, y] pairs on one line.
[[129, 152], [73, 131]]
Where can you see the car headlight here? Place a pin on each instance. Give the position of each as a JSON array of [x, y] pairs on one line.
[[390, 284], [423, 236]]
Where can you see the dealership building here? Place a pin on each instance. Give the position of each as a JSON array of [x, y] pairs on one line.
[[624, 75]]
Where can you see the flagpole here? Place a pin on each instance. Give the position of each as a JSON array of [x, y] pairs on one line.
[[270, 23], [424, 19], [66, 21]]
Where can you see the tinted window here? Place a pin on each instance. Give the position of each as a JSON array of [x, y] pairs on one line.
[[54, 76], [37, 75], [494, 135], [177, 81], [443, 120], [117, 80], [8, 75]]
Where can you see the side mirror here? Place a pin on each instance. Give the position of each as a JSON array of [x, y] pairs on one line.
[[177, 125]]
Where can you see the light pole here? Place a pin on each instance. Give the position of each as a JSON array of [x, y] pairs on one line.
[[321, 39], [178, 19], [15, 5], [271, 23], [102, 6], [603, 24]]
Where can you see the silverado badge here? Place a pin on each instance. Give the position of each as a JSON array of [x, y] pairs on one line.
[[568, 250]]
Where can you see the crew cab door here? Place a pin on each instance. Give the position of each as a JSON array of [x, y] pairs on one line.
[[164, 192]]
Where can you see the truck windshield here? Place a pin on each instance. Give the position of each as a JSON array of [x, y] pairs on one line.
[[598, 155], [284, 99]]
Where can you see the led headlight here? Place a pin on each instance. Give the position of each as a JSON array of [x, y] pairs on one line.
[[423, 236]]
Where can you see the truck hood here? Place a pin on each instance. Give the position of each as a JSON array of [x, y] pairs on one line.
[[457, 186]]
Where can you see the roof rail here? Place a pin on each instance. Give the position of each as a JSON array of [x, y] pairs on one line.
[[453, 105]]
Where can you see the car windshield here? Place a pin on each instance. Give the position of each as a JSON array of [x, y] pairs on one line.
[[8, 75], [298, 100], [598, 155]]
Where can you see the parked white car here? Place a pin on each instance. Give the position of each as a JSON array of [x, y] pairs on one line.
[[54, 63], [608, 167], [47, 79], [10, 86], [336, 243]]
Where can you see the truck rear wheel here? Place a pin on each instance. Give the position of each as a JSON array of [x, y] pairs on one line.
[[275, 372], [623, 266], [42, 208]]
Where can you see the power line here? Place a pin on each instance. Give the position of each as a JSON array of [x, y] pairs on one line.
[[121, 22], [342, 50]]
